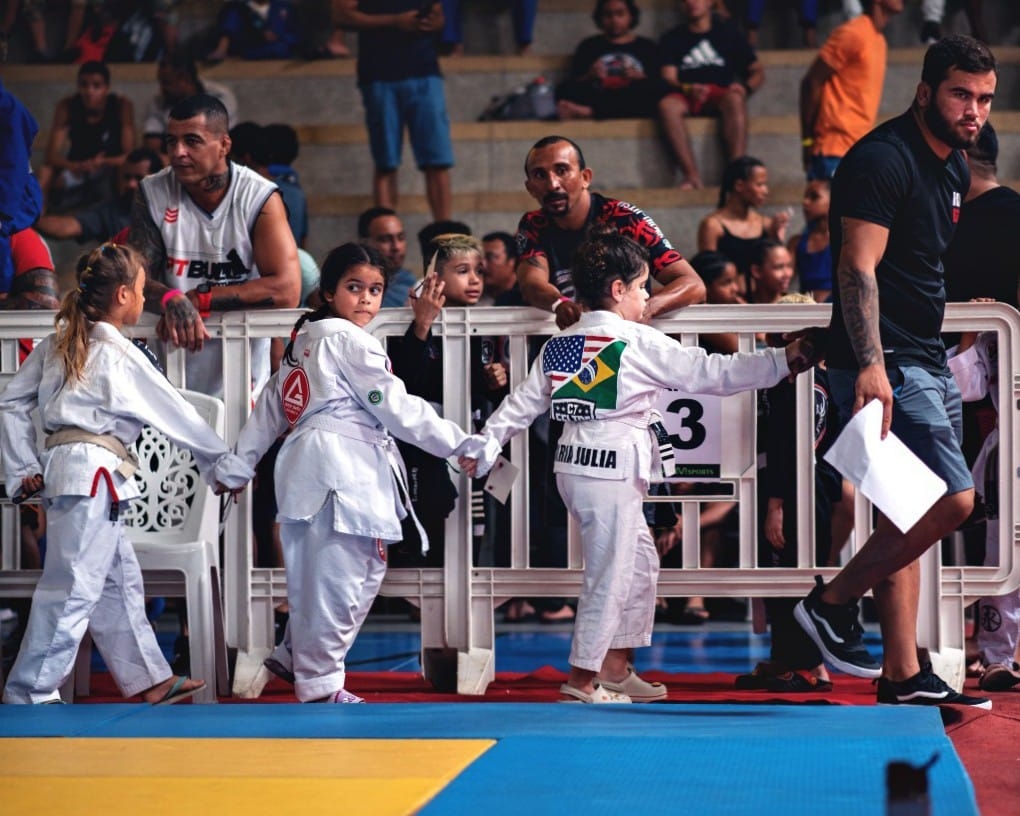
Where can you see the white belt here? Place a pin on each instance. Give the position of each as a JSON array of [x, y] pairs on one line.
[[380, 438]]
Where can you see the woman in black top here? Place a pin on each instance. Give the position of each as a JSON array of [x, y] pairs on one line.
[[613, 75]]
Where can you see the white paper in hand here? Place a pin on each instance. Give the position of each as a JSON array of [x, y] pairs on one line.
[[501, 479], [886, 471]]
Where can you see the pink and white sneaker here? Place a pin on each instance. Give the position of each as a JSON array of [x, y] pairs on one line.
[[344, 696]]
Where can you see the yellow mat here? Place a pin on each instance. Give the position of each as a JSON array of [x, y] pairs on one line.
[[157, 777]]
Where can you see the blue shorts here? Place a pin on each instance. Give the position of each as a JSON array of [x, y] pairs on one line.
[[927, 416], [420, 105], [822, 167]]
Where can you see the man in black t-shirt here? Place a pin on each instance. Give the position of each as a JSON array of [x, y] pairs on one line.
[[896, 199], [401, 87], [557, 178], [709, 68]]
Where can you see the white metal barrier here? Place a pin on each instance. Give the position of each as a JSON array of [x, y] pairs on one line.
[[457, 600]]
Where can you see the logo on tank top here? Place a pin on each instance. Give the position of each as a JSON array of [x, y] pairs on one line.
[[956, 207], [170, 215], [295, 394]]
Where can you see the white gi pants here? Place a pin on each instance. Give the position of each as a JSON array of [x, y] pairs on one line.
[[999, 625], [332, 579], [91, 580], [616, 607]]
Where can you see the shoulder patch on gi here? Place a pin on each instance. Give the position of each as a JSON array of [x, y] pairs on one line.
[[295, 395], [375, 396]]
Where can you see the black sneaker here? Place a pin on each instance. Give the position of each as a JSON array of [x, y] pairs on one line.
[[925, 688], [836, 631]]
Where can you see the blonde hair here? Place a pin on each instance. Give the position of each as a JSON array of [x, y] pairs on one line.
[[796, 297], [99, 273], [450, 245]]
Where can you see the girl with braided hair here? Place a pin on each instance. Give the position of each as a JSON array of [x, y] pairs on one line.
[[601, 378], [94, 390], [340, 485]]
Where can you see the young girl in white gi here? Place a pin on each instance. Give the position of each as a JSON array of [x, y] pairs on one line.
[[95, 390], [339, 479], [601, 377]]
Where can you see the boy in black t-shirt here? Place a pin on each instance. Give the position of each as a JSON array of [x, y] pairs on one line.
[[709, 69]]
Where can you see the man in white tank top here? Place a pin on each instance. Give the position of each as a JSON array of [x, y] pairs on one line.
[[215, 237]]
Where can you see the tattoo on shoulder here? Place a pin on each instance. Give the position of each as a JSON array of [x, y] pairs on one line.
[[534, 261]]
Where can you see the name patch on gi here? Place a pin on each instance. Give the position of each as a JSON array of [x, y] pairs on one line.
[[580, 456], [295, 395]]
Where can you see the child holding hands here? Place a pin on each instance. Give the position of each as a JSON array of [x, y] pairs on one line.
[[94, 390], [601, 377], [340, 483]]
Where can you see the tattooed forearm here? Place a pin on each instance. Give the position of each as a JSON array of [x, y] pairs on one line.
[[231, 303], [858, 292], [216, 181], [36, 289]]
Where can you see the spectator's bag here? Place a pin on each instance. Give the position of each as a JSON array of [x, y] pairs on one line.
[[534, 101]]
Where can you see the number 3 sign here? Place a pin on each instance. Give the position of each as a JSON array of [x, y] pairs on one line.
[[695, 425]]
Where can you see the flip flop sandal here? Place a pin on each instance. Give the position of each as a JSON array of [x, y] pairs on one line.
[[600, 695], [177, 692]]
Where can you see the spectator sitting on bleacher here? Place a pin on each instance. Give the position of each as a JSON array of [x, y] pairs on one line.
[[92, 131], [736, 226], [103, 221], [178, 79], [720, 276], [841, 92], [524, 14], [808, 21], [256, 29], [613, 75], [382, 229], [710, 69]]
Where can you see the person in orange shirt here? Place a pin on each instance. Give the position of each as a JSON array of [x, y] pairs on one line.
[[840, 93]]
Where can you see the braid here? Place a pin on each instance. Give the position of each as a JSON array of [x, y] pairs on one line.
[[308, 317]]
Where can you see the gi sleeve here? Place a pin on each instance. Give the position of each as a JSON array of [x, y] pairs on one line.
[[19, 445], [522, 407]]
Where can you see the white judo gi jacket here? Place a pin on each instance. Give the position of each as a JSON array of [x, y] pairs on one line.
[[601, 377], [340, 401], [120, 391]]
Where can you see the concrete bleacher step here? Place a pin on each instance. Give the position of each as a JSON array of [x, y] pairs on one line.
[[324, 92]]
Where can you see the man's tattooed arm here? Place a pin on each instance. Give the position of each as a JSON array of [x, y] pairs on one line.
[[858, 291], [144, 236]]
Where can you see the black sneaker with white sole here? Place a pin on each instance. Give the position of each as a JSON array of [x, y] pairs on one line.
[[836, 630], [925, 688]]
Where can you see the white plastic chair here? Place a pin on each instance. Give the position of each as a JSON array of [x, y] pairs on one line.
[[174, 526]]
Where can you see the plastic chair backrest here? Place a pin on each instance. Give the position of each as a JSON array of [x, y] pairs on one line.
[[175, 504]]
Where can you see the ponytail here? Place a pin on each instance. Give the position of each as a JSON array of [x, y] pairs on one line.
[[99, 273]]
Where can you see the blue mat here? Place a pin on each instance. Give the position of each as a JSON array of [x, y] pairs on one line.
[[667, 758]]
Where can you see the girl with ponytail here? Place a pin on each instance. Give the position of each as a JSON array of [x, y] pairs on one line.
[[340, 485], [601, 377], [94, 390]]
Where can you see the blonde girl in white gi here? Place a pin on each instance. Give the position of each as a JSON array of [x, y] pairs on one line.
[[601, 377], [339, 480], [94, 391]]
